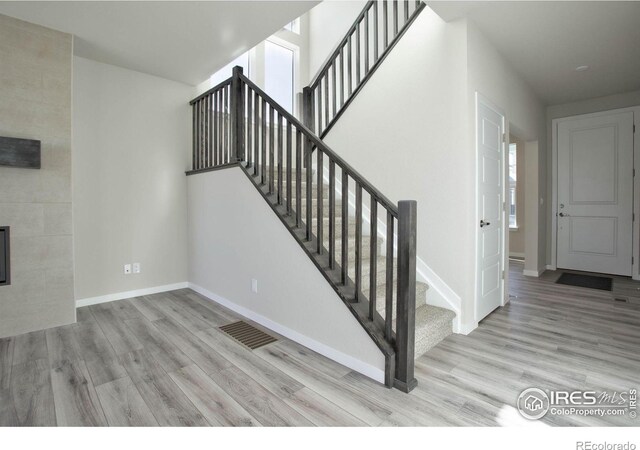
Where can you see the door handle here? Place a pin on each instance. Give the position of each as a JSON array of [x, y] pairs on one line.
[[563, 214], [484, 224]]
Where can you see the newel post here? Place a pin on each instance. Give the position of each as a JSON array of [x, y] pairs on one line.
[[406, 318], [237, 114]]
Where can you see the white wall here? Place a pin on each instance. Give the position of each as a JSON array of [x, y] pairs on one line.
[[235, 237], [623, 100], [131, 135]]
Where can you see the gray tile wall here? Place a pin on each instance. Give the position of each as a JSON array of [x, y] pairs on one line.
[[35, 103]]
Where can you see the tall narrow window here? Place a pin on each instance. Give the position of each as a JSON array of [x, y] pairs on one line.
[[279, 64], [513, 178], [294, 26]]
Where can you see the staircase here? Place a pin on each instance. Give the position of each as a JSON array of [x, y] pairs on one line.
[[432, 323], [361, 242]]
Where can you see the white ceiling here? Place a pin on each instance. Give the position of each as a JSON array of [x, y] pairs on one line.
[[546, 41], [178, 40]]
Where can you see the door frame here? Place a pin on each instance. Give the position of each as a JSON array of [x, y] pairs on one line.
[[635, 239], [479, 98]]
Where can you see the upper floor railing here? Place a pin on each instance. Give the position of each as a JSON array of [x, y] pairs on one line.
[[366, 44]]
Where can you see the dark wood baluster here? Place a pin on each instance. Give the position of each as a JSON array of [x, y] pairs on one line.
[[345, 227], [334, 88], [358, 250], [214, 128], [373, 258], [256, 132], [263, 162], [395, 18], [332, 214], [193, 135], [326, 99], [197, 136], [341, 77], [249, 127], [375, 31], [388, 306], [358, 53], [406, 11], [289, 168], [366, 42], [349, 67], [225, 127], [385, 23], [200, 132], [319, 114], [280, 151], [417, 5], [309, 178], [205, 131], [319, 206], [298, 178], [272, 159], [220, 128]]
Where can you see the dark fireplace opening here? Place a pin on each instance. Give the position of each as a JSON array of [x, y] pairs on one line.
[[5, 272]]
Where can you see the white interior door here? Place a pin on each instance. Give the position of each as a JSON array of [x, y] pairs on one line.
[[595, 193], [490, 211]]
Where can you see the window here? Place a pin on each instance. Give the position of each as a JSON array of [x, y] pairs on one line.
[[278, 73], [294, 26], [513, 178]]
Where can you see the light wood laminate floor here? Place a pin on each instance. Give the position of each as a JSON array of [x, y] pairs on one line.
[[161, 360]]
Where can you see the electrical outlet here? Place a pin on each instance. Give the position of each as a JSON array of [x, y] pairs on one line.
[[127, 269], [254, 286], [136, 268]]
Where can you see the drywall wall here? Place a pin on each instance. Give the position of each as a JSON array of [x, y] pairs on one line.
[[417, 132], [235, 237], [517, 236], [35, 93], [622, 100], [131, 139], [496, 80], [328, 23]]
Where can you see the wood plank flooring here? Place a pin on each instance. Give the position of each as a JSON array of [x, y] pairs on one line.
[[161, 360]]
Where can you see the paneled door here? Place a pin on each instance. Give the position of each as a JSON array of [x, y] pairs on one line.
[[595, 193], [490, 145]]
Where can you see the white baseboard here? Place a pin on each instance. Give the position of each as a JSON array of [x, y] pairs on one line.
[[532, 273], [129, 294], [551, 267], [331, 353], [465, 329]]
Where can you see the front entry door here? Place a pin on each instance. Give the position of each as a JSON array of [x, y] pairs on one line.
[[490, 192], [595, 193]]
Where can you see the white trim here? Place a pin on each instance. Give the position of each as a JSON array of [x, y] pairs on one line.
[[129, 294], [331, 353], [466, 329], [439, 293], [516, 254], [532, 273], [551, 267], [635, 267]]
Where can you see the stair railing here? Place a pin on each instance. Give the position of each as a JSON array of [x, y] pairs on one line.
[[355, 59], [237, 124]]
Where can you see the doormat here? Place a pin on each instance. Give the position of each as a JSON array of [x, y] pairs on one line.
[[586, 281]]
